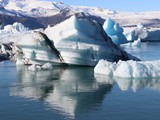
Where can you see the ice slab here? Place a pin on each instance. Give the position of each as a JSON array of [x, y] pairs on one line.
[[129, 69]]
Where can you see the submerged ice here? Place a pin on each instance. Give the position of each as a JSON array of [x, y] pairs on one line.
[[129, 69]]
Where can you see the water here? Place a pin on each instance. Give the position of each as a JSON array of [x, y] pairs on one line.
[[67, 93]]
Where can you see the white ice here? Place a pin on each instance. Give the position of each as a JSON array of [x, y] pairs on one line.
[[135, 43], [139, 32], [129, 69], [16, 27], [34, 68], [47, 66]]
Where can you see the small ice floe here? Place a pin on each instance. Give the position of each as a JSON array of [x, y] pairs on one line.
[[136, 43], [129, 69], [47, 66], [34, 68]]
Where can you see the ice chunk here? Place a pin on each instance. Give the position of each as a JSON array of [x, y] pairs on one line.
[[16, 27], [3, 49], [34, 68], [47, 66], [109, 27], [139, 32], [136, 43], [153, 34], [140, 26], [114, 31], [104, 67], [129, 69]]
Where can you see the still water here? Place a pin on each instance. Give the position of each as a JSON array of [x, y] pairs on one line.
[[75, 93]]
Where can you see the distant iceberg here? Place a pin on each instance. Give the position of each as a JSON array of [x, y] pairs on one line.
[[16, 27], [139, 32], [114, 31], [129, 69], [135, 43], [153, 34]]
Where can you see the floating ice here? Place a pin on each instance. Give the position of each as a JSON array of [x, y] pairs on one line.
[[136, 43], [34, 68], [129, 69], [74, 42], [139, 32], [114, 31], [16, 27], [47, 66]]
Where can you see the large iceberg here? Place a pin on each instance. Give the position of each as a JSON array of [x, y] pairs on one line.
[[62, 89], [129, 69], [74, 42], [114, 31]]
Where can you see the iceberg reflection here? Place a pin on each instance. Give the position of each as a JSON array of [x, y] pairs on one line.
[[136, 84], [130, 83], [70, 90]]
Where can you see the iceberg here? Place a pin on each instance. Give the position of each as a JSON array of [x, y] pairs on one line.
[[153, 34], [139, 32], [46, 66], [34, 68], [129, 69], [135, 43], [16, 27], [114, 31], [73, 42]]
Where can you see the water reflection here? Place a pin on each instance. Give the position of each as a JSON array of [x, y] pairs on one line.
[[70, 90], [130, 83]]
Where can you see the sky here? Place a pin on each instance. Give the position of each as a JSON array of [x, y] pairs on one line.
[[119, 5]]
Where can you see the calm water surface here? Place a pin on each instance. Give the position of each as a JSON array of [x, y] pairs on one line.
[[67, 93]]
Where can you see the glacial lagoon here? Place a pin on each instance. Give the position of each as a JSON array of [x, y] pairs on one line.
[[76, 93]]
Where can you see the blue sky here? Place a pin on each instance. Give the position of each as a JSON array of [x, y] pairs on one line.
[[120, 5]]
